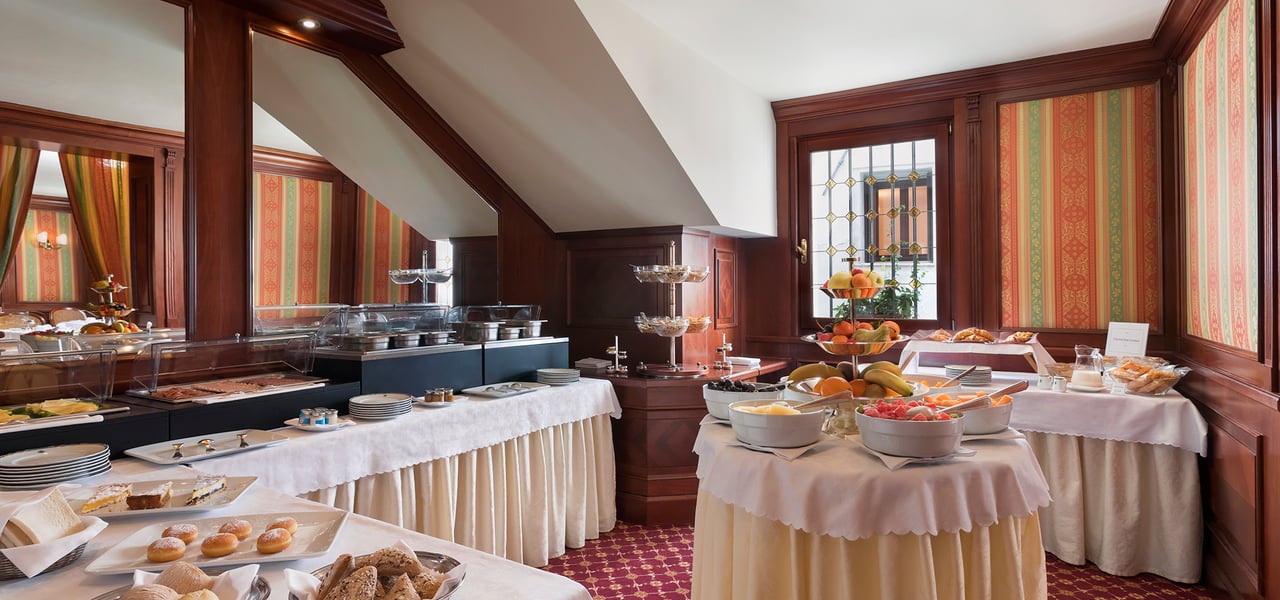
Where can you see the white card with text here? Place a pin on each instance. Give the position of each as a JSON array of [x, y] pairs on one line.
[[1127, 339]]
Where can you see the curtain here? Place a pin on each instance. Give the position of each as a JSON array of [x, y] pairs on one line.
[[17, 176], [383, 244], [98, 189]]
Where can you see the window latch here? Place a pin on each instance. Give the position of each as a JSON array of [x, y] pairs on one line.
[[803, 251]]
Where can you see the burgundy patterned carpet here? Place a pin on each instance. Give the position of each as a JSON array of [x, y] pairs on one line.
[[633, 562]]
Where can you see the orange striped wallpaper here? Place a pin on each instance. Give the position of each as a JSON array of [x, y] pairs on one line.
[[1220, 91], [1079, 210], [382, 244], [292, 233]]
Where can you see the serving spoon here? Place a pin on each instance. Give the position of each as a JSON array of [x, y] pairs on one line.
[[979, 402]]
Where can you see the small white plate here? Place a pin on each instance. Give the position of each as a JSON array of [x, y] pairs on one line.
[[316, 534], [330, 427], [426, 404], [1086, 389], [236, 486]]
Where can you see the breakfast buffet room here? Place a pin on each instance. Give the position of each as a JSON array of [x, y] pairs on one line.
[[476, 284]]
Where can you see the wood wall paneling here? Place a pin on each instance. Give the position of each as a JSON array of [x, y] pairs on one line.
[[218, 174], [725, 282], [475, 273], [1234, 506]]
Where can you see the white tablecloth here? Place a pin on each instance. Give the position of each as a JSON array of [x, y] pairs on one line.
[[838, 489], [313, 461], [836, 523], [910, 359], [488, 576]]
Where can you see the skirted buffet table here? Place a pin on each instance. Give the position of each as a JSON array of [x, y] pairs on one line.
[[522, 477], [837, 523]]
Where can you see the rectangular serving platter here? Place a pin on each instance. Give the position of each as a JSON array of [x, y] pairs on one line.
[[311, 382], [224, 443], [236, 486], [316, 533], [504, 389]]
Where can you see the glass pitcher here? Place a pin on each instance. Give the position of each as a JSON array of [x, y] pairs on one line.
[[1088, 368]]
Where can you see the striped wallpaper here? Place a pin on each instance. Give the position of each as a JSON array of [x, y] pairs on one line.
[[48, 275], [292, 229], [1219, 96], [1079, 210], [382, 244]]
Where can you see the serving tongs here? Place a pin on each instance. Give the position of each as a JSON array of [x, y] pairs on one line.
[[953, 380], [985, 399]]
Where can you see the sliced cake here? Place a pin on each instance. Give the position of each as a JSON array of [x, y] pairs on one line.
[[107, 494], [207, 485], [156, 497]]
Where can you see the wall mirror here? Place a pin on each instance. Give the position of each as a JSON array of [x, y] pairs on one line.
[[97, 88], [355, 194]]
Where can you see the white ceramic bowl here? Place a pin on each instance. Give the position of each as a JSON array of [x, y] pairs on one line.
[[991, 419], [918, 439], [718, 401], [776, 431]]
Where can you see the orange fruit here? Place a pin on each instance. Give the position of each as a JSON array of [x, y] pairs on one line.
[[858, 387], [843, 328], [860, 281], [865, 325], [831, 385], [839, 339], [894, 329]]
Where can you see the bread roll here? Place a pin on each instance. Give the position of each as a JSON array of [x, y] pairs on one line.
[[391, 562], [150, 591], [184, 578], [359, 585], [336, 573], [402, 589]]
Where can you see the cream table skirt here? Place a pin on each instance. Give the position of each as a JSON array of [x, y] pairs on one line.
[[744, 557], [1127, 507], [525, 499]]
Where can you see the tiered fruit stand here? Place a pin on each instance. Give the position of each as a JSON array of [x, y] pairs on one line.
[[107, 308], [672, 326]]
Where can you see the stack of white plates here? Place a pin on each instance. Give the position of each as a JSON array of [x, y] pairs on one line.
[[380, 406], [979, 376], [558, 376], [42, 467]]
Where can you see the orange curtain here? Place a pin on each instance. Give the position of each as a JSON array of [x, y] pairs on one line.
[[17, 176], [98, 189]]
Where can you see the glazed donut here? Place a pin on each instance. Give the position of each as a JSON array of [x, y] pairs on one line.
[[241, 528], [274, 540], [186, 532], [166, 549], [287, 523], [219, 544]]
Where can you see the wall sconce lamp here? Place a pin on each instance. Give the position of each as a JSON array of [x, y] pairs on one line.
[[42, 240]]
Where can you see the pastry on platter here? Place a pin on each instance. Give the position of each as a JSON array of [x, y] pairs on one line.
[[1020, 337], [941, 335], [973, 334], [156, 497], [107, 494], [206, 485]]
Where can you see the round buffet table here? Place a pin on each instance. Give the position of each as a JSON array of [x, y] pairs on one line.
[[837, 523]]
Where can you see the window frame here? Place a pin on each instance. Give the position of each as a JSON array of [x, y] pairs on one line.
[[940, 132]]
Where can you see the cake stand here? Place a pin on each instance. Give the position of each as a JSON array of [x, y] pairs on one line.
[[671, 326]]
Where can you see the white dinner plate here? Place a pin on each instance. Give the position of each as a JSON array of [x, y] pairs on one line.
[[41, 484], [378, 417], [236, 486], [316, 533], [379, 400], [224, 443], [52, 455], [55, 470], [328, 427]]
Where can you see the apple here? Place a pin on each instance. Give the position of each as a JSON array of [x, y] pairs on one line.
[[875, 278], [855, 271], [824, 337], [839, 280]]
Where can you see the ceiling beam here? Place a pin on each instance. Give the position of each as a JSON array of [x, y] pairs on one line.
[[360, 24]]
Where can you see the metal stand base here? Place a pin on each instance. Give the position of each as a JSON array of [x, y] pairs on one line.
[[670, 371]]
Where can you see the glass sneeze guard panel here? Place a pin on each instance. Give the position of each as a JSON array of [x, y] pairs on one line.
[[38, 377], [184, 363]]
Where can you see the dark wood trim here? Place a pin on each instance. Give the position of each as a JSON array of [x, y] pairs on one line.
[[360, 24], [1268, 193], [219, 171], [284, 162], [342, 288], [1183, 24], [65, 129]]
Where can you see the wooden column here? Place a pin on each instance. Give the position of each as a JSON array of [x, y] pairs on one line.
[[218, 170]]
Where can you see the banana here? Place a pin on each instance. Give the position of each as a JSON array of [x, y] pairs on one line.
[[885, 366], [889, 381], [810, 371]]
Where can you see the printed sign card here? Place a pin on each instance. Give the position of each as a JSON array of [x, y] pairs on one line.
[[1127, 339]]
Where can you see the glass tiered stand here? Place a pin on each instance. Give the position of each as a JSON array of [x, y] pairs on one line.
[[672, 326], [107, 308], [842, 421]]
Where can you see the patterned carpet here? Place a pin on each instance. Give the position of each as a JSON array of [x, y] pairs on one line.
[[633, 561]]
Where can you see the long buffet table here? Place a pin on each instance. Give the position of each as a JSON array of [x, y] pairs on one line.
[[488, 576], [1123, 472], [837, 523], [522, 477]]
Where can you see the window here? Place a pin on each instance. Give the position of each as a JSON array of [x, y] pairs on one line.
[[876, 202]]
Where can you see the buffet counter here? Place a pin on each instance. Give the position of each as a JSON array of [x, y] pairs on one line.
[[522, 477], [488, 576], [837, 523]]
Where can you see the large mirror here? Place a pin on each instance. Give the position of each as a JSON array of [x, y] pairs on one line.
[[93, 95], [389, 201]]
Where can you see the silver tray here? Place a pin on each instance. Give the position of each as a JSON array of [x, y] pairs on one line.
[[261, 590]]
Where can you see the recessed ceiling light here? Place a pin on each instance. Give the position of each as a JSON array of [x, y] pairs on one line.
[[309, 23]]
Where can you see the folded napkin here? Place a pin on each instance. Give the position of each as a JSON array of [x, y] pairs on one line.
[[228, 585], [897, 462], [45, 422], [33, 559], [787, 454], [710, 420], [743, 360], [303, 585]]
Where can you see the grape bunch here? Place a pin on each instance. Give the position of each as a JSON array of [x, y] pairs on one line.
[[727, 385]]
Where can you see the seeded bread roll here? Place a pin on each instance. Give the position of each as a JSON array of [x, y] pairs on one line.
[[150, 591], [184, 578], [359, 585], [336, 573], [391, 562], [402, 589]]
